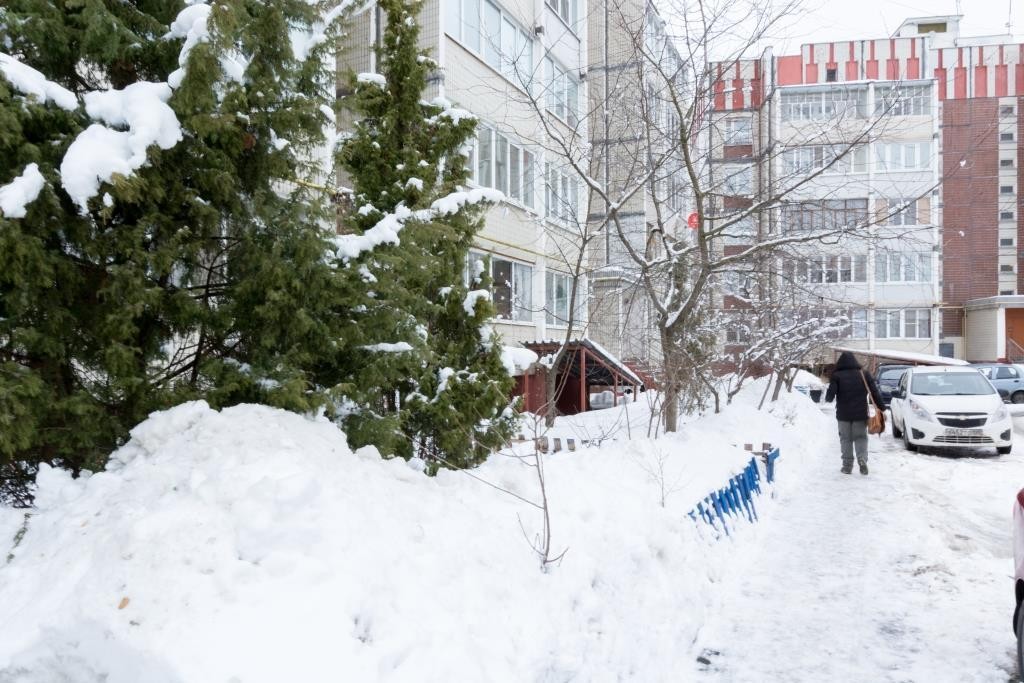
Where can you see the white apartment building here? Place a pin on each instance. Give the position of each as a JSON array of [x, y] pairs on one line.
[[511, 62], [855, 153]]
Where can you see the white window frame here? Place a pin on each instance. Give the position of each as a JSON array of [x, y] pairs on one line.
[[520, 288], [903, 100], [893, 267], [738, 131], [895, 323], [499, 161], [820, 105], [897, 157], [561, 195], [484, 28], [562, 97], [567, 11]]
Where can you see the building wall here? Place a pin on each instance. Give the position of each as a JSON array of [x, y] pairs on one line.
[[982, 328], [970, 206]]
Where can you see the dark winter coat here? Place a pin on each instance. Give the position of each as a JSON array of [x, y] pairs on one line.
[[847, 389]]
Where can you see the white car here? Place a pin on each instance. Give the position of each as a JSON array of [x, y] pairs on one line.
[[949, 406]]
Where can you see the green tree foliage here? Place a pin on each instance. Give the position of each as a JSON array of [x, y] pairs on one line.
[[445, 396], [200, 274]]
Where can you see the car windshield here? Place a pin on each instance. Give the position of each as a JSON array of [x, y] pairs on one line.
[[893, 374], [950, 384]]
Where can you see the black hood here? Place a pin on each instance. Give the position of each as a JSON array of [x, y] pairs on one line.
[[847, 362]]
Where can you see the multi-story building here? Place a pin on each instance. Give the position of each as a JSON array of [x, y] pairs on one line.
[[634, 129], [926, 127], [511, 62]]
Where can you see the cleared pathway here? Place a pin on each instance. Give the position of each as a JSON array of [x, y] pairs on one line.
[[904, 575]]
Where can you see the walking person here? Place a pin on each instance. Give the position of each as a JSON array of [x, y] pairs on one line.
[[849, 388]]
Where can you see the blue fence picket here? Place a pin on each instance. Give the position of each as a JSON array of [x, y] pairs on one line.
[[736, 498]]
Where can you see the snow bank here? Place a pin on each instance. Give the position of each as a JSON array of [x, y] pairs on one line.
[[20, 192], [254, 545]]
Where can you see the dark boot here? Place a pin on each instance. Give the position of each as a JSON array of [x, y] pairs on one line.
[[863, 466], [847, 467]]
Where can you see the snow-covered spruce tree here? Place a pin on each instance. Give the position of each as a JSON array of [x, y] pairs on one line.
[[151, 249], [427, 378]]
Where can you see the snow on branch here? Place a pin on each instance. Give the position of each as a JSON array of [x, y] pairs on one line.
[[99, 151], [21, 191], [386, 230], [28, 81]]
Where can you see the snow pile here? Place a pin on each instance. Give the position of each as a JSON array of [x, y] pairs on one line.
[[99, 152], [516, 359], [28, 81], [20, 192], [253, 545]]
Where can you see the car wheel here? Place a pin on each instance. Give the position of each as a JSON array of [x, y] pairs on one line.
[[896, 433], [906, 440], [1004, 450], [1017, 397]]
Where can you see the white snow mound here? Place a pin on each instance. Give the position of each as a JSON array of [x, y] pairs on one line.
[[252, 544]]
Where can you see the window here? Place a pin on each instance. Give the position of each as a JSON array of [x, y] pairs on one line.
[[1006, 215], [1006, 110], [828, 214], [562, 91], [896, 267], [907, 215], [858, 323], [1006, 189], [737, 131], [511, 286], [839, 159], [1005, 268], [831, 75], [1006, 292], [485, 30], [935, 27], [827, 269], [911, 323], [903, 156], [816, 106], [1006, 137], [556, 298], [561, 195], [504, 165], [1006, 242], [907, 100], [1006, 373], [1006, 163], [737, 180], [566, 9]]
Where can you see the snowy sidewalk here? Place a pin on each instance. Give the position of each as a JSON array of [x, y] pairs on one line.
[[903, 575]]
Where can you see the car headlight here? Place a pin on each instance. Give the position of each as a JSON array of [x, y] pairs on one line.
[[920, 412], [1001, 414]]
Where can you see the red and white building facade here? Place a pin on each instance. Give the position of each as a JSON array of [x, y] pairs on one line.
[[935, 126]]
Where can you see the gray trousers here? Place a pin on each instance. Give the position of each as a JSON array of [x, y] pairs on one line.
[[853, 434]]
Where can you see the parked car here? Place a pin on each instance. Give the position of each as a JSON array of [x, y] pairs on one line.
[[888, 378], [1018, 577], [1007, 379], [949, 406]]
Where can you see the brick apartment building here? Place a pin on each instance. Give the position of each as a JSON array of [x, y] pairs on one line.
[[940, 269]]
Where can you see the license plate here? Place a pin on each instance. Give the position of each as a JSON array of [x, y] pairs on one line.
[[953, 431]]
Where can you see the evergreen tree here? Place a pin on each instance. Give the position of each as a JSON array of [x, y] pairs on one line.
[[426, 376], [190, 268]]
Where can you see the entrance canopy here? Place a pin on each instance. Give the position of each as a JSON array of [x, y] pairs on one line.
[[881, 356]]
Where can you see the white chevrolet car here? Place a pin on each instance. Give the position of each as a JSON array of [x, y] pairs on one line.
[[949, 406]]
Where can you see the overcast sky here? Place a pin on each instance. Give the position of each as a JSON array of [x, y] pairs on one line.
[[828, 20]]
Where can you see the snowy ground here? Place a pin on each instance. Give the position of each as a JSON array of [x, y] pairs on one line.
[[253, 545], [901, 576]]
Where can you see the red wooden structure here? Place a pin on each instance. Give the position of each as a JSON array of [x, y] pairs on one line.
[[584, 366]]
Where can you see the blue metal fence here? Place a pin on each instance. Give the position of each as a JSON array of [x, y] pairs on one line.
[[736, 499]]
